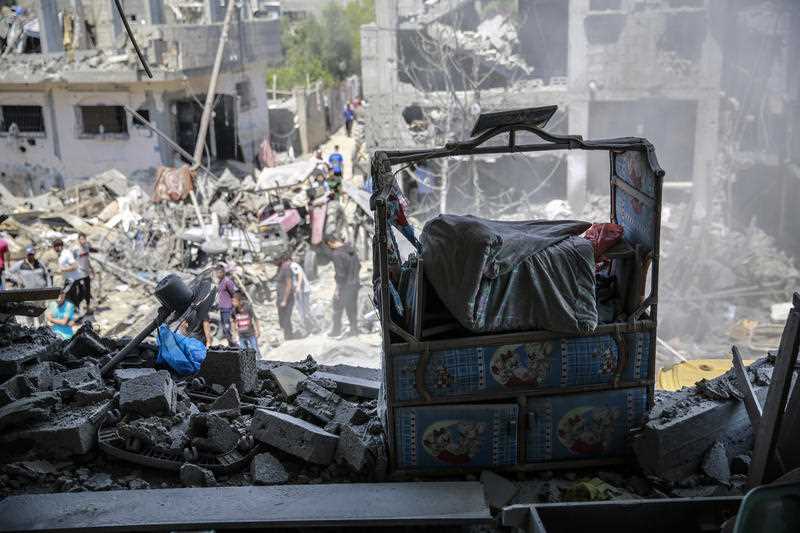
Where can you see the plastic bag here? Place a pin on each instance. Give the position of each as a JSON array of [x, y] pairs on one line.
[[183, 354]]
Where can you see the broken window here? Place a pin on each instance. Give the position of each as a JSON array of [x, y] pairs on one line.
[[145, 114], [100, 119], [245, 94], [27, 118]]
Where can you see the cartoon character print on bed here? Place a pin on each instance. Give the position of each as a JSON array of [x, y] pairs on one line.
[[521, 364], [454, 442], [635, 216], [588, 430]]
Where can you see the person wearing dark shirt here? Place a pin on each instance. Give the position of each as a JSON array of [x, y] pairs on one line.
[[247, 327], [225, 291], [197, 324], [285, 300], [348, 118], [346, 266]]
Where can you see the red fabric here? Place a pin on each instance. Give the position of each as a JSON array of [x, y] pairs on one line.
[[603, 238]]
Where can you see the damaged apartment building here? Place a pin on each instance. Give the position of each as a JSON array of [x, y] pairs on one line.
[[707, 81], [63, 95]]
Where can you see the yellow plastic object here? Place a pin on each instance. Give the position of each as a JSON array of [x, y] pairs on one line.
[[687, 374]]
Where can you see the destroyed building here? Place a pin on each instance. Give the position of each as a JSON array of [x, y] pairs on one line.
[[63, 105], [710, 83]]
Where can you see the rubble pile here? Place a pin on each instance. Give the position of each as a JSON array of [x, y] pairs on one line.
[[66, 427]]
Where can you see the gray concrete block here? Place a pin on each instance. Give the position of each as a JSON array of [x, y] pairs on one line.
[[38, 406], [497, 489], [213, 433], [350, 385], [288, 379], [196, 476], [17, 358], [265, 469], [324, 405], [358, 447], [715, 463], [149, 394], [85, 377], [16, 388], [294, 436], [233, 366], [228, 404], [166, 433], [122, 375]]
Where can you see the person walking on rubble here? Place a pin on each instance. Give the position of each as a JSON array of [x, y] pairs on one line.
[[61, 315], [285, 299], [247, 327], [302, 296], [226, 289], [348, 118], [336, 161], [4, 257], [85, 264], [347, 267], [29, 273], [71, 269]]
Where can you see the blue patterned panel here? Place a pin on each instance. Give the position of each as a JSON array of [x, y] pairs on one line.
[[591, 425], [523, 367], [634, 169], [456, 436], [637, 219], [638, 347]]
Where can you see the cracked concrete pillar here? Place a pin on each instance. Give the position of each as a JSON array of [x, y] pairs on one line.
[[108, 26], [52, 35]]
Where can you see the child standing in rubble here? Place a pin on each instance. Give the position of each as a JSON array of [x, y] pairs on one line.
[[247, 327], [226, 290], [62, 315]]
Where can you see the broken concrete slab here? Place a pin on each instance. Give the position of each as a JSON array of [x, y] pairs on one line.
[[350, 385], [498, 490], [165, 433], [213, 433], [229, 404], [294, 436], [122, 375], [69, 431], [42, 374], [715, 463], [230, 366], [38, 406], [17, 358], [265, 469], [196, 476], [323, 405], [358, 447], [85, 377], [148, 394], [16, 388], [86, 343], [288, 379]]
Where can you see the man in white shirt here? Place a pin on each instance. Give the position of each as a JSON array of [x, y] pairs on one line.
[[302, 297], [69, 267]]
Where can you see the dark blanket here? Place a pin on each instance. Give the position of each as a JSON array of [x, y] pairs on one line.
[[512, 275]]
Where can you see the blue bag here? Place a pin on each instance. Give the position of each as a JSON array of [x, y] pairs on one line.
[[183, 354]]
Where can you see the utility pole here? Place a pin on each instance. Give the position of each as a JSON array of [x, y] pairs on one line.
[[212, 86]]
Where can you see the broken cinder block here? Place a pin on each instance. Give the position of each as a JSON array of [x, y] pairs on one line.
[[197, 476], [265, 469], [122, 375], [230, 366], [213, 433], [350, 385], [294, 436], [324, 405], [149, 394], [84, 377], [16, 388], [288, 379]]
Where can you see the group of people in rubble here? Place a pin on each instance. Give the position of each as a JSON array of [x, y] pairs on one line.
[[73, 264]]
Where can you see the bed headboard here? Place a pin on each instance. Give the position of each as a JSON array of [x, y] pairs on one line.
[[635, 195]]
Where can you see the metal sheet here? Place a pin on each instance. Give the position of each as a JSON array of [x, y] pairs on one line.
[[357, 504]]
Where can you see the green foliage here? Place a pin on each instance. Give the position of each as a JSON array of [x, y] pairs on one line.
[[326, 49]]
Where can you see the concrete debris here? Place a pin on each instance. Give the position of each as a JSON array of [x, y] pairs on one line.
[[230, 366], [86, 343], [196, 476], [361, 450], [294, 436], [497, 490], [99, 481], [85, 377], [148, 394], [323, 405], [164, 433], [350, 385], [124, 374], [228, 404], [740, 465], [38, 406], [288, 379], [213, 433], [265, 469], [715, 463], [16, 388]]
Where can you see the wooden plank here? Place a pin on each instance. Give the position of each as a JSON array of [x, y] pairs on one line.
[[766, 438], [354, 504], [746, 389]]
